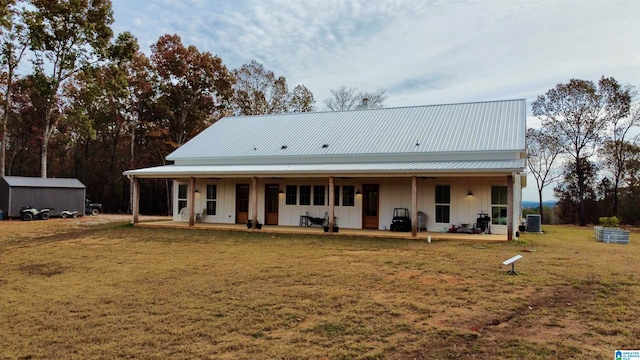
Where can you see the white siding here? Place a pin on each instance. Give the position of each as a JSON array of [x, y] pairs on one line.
[[394, 193]]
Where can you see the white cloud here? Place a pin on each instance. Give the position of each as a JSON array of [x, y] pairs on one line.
[[422, 52]]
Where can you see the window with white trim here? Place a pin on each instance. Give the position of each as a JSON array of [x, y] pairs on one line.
[[291, 196], [182, 196], [443, 203], [348, 195], [305, 194], [499, 205], [319, 195], [212, 196]]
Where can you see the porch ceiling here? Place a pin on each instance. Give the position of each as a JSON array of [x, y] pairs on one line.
[[439, 168]]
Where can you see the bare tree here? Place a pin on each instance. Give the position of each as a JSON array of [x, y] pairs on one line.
[[375, 99], [542, 152], [350, 98]]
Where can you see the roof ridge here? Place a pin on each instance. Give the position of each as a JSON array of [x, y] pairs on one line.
[[373, 109]]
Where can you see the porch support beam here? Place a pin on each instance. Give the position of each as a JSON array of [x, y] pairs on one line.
[[192, 200], [331, 203], [254, 202], [509, 208], [135, 208], [414, 206]]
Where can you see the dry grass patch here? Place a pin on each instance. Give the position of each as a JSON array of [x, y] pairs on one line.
[[115, 291]]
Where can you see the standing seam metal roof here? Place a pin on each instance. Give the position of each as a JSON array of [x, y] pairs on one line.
[[23, 181], [467, 127]]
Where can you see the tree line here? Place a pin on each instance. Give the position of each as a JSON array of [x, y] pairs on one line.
[[78, 101], [588, 146]]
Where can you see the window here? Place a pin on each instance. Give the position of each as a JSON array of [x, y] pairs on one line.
[[348, 195], [499, 205], [182, 196], [318, 195], [305, 194], [291, 197], [336, 196], [212, 195], [443, 203]]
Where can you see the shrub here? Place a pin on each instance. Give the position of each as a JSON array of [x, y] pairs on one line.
[[609, 221]]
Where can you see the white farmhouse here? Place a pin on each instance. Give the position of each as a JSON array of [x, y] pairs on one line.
[[452, 162]]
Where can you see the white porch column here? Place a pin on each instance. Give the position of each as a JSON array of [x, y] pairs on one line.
[[135, 185], [331, 203], [509, 208], [414, 206], [254, 202], [192, 200]]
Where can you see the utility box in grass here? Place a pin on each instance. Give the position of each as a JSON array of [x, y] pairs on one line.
[[611, 235]]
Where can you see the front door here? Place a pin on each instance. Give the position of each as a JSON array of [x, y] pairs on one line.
[[271, 204], [242, 203], [370, 197]]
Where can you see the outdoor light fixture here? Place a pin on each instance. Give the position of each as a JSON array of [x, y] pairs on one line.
[[280, 191], [358, 192], [469, 193]]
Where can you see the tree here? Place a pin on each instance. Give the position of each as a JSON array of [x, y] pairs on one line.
[[542, 152], [258, 91], [13, 44], [195, 89], [65, 36], [576, 115], [97, 114], [615, 156], [617, 149], [301, 100], [570, 198], [630, 195], [344, 98]]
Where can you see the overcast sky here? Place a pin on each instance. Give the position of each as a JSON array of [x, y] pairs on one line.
[[421, 52]]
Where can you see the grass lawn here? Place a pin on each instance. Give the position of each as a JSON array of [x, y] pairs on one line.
[[73, 290]]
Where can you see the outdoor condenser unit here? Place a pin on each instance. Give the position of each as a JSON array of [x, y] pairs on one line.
[[533, 223]]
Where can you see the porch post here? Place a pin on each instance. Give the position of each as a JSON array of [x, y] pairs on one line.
[[192, 200], [414, 206], [509, 208], [331, 203], [254, 202], [135, 198]]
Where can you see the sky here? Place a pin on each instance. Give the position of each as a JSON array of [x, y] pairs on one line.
[[421, 51]]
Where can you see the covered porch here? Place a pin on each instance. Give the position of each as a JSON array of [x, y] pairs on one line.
[[276, 203], [281, 229]]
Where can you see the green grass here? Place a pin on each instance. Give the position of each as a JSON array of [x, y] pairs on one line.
[[115, 291]]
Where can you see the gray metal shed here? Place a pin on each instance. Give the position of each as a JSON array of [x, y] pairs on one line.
[[17, 192]]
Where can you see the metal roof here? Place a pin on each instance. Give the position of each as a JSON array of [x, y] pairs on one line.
[[467, 127], [23, 181], [381, 169]]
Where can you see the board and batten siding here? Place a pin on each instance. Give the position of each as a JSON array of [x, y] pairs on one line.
[[394, 193]]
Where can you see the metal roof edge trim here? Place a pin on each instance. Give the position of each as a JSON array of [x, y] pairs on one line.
[[189, 171], [479, 155]]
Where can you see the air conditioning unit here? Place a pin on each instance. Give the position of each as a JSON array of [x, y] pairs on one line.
[[533, 223]]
